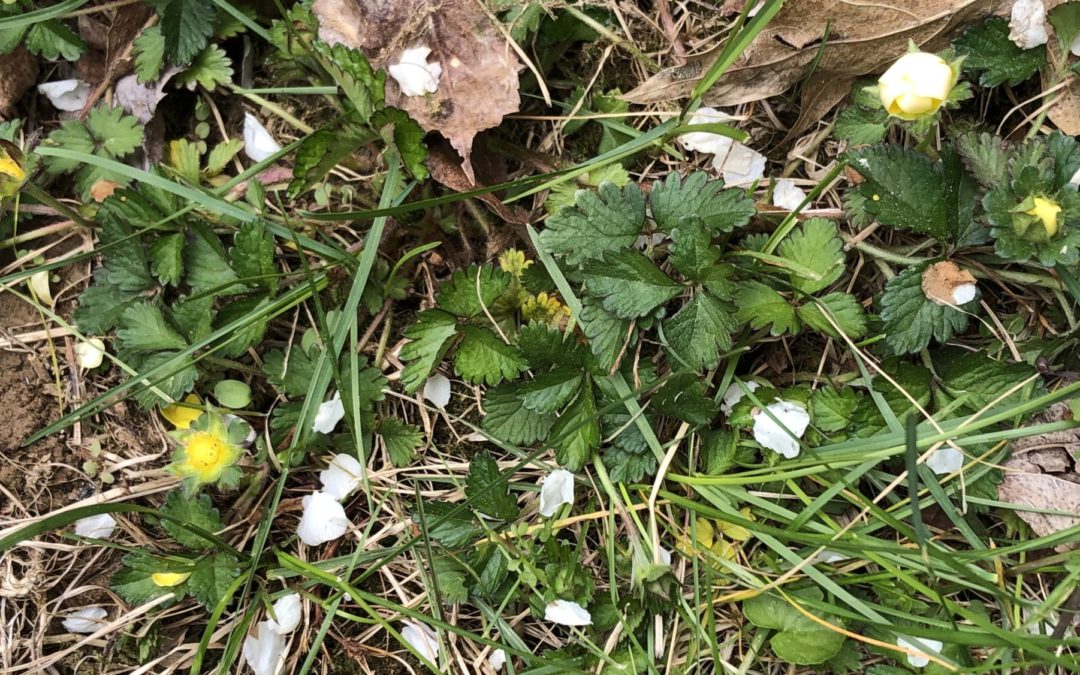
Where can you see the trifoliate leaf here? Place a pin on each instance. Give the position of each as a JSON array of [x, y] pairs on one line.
[[508, 420], [482, 358], [195, 510], [186, 26], [832, 409], [430, 337], [902, 189], [470, 291], [816, 247], [759, 306], [700, 331], [843, 308], [629, 284], [979, 379], [402, 441], [52, 41], [253, 254], [598, 222], [167, 258], [719, 209], [912, 319], [859, 125], [145, 330], [149, 50], [211, 578], [692, 251], [550, 391], [576, 434], [989, 51], [607, 333], [209, 69], [798, 640], [488, 490]]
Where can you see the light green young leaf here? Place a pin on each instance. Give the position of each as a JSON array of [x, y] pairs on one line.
[[210, 68], [599, 222], [842, 308], [430, 337], [52, 41], [117, 134], [629, 284], [470, 291], [576, 434], [149, 50], [759, 306], [832, 409], [816, 247], [145, 330], [482, 358], [720, 210], [912, 319], [402, 441], [210, 579], [700, 331], [167, 258], [195, 510], [508, 420], [220, 156]]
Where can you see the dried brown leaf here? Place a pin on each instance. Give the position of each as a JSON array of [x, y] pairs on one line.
[[479, 82], [445, 169], [18, 72]]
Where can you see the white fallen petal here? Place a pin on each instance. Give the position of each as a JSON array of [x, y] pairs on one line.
[[706, 141], [66, 95], [567, 613], [734, 394], [90, 354], [341, 477], [323, 520], [437, 390], [665, 556], [556, 490], [1075, 180], [1075, 49], [829, 557], [945, 460], [287, 610], [964, 293], [1027, 24], [100, 526], [497, 659], [414, 75], [329, 414], [422, 639], [792, 417], [925, 645], [39, 286], [787, 195], [740, 165], [265, 650], [86, 620], [258, 143]]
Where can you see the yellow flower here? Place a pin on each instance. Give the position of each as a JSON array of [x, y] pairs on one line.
[[916, 85], [207, 452], [543, 307], [181, 415], [704, 537], [1047, 211], [12, 174], [169, 579], [733, 531], [513, 261]]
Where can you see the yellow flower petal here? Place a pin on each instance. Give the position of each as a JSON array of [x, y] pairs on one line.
[[1047, 211], [181, 416], [169, 579], [916, 85]]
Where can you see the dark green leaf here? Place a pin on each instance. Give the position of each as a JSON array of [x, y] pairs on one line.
[[700, 331], [902, 188], [195, 510], [720, 210], [211, 578], [550, 391], [487, 489], [629, 284], [599, 222], [816, 247], [167, 258], [508, 420], [912, 319], [482, 358], [470, 291], [145, 330], [186, 26], [402, 441], [317, 155], [406, 136], [576, 434], [607, 333], [430, 337], [692, 252], [253, 254], [989, 51], [843, 310], [454, 530]]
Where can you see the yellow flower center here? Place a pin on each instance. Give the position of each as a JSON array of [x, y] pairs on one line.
[[1046, 211], [206, 453], [169, 579]]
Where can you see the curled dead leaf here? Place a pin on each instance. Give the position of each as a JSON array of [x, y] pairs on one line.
[[445, 169], [478, 81], [946, 284]]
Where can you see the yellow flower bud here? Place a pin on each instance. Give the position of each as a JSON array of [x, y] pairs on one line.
[[916, 85], [1046, 211], [169, 579], [181, 416]]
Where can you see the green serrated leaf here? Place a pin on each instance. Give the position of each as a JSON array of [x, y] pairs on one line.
[[683, 397], [186, 26], [550, 391], [117, 134], [206, 264], [833, 409], [52, 41], [317, 155], [545, 346], [700, 331], [449, 524], [430, 340], [402, 440], [149, 49], [979, 379], [761, 306], [488, 490], [598, 222], [251, 332], [211, 578], [195, 510], [102, 304], [210, 68], [167, 258], [629, 284], [576, 434], [220, 156], [842, 308], [1065, 18], [987, 50], [692, 251], [912, 319], [861, 126], [145, 330], [407, 137], [180, 380], [291, 373], [253, 254], [194, 317], [470, 291], [363, 87], [482, 358], [721, 210], [902, 188], [133, 581], [607, 333], [507, 419], [985, 157], [816, 247]]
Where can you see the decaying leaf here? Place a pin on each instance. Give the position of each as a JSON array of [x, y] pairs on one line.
[[946, 284], [18, 72], [478, 82], [862, 38], [141, 100], [445, 168]]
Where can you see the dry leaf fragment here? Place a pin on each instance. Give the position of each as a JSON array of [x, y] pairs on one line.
[[477, 84], [18, 72], [141, 100], [946, 284], [1025, 485]]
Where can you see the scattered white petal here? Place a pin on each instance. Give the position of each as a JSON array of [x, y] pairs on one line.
[[964, 293], [287, 610], [341, 477], [567, 613], [39, 286], [787, 195], [830, 557], [323, 520], [422, 639], [264, 650], [665, 556], [945, 460], [90, 354], [1027, 24], [329, 414], [66, 95], [734, 394], [86, 620], [100, 526], [556, 490], [1075, 180], [643, 241], [497, 659], [437, 390], [414, 75], [774, 436], [740, 165], [258, 143], [1075, 48], [925, 645], [707, 141]]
